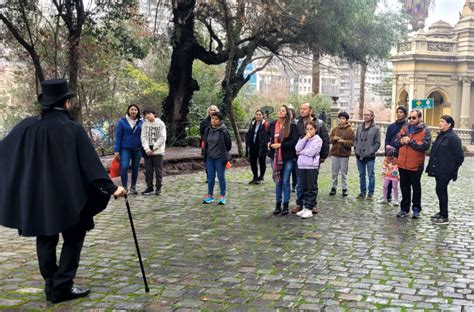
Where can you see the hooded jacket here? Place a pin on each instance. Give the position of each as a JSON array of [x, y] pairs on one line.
[[367, 141], [217, 142], [154, 136], [308, 152], [323, 133]]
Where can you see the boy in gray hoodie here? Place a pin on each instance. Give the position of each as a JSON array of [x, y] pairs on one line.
[[153, 139]]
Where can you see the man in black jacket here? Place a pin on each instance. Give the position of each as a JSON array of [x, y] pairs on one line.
[[53, 182], [306, 115]]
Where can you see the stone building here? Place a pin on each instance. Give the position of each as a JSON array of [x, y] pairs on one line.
[[438, 64]]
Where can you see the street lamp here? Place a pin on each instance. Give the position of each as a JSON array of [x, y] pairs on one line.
[[334, 111]]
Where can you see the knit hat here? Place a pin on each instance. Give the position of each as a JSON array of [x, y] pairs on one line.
[[403, 109]]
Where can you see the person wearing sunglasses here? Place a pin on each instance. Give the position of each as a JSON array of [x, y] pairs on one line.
[[412, 142]]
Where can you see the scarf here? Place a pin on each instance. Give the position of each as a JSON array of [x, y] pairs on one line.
[[278, 159], [131, 122]]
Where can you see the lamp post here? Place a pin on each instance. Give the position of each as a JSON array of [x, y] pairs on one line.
[[334, 111]]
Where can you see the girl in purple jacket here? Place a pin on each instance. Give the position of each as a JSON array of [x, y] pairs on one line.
[[308, 149]]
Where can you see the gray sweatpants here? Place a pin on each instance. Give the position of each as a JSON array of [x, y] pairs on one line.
[[339, 164]]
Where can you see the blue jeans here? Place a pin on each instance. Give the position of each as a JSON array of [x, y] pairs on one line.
[[215, 165], [366, 167], [125, 156], [284, 185]]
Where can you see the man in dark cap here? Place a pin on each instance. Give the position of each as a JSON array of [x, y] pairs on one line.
[[53, 182]]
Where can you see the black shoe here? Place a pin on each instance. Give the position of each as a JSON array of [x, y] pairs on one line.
[[260, 179], [436, 216], [344, 193], [148, 191], [157, 192], [402, 214], [333, 192], [253, 181], [285, 210], [360, 196], [70, 294], [133, 190], [277, 210], [440, 220], [416, 213]]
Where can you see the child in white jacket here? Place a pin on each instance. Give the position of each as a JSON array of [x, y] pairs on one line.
[[153, 139]]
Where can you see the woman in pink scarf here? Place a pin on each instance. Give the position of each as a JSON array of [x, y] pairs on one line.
[[283, 137]]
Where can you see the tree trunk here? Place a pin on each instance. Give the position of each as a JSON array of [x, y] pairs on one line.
[[73, 43], [180, 80], [228, 99], [316, 73], [363, 72]]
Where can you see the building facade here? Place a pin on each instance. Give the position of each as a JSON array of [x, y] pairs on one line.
[[438, 64]]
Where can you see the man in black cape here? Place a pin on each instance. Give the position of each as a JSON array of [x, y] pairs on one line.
[[52, 182]]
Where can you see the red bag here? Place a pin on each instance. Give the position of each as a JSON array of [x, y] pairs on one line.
[[115, 167]]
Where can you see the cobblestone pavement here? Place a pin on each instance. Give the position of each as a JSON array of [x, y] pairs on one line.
[[354, 255]]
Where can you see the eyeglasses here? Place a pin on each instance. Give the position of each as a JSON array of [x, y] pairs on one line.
[[412, 118]]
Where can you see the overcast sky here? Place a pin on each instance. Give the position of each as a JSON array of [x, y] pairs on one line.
[[446, 10]]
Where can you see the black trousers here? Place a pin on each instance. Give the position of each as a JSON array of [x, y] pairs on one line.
[[154, 164], [60, 278], [309, 184], [255, 162], [442, 192], [410, 180]]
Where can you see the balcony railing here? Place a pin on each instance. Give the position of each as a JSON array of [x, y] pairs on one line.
[[466, 135]]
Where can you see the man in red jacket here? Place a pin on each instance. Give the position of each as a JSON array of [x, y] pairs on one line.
[[412, 142]]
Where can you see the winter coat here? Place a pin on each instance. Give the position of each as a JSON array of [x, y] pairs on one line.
[[126, 137], [390, 168], [308, 152], [48, 170], [323, 133], [153, 136], [287, 145], [411, 156], [446, 156], [261, 139], [392, 131], [217, 142], [342, 149], [367, 141]]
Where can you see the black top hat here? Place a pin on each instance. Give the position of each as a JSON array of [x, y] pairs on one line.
[[54, 91]]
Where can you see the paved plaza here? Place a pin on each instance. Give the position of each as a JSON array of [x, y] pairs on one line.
[[354, 255]]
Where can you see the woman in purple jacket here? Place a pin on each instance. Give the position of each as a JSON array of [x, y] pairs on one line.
[[308, 149], [128, 145]]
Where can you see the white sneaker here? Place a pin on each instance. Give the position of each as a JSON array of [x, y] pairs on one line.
[[300, 213], [382, 201], [307, 213], [395, 203]]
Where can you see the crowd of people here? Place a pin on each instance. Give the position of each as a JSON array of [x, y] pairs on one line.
[[303, 144]]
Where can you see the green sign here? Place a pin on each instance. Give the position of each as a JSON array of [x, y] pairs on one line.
[[422, 104]]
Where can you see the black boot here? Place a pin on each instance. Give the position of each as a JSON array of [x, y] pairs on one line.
[[285, 209], [277, 208]]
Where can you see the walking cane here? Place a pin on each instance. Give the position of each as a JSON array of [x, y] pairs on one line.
[[136, 243]]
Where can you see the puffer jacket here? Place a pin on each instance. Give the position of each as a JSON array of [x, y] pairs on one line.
[[411, 156]]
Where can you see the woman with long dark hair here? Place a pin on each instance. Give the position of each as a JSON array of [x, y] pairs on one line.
[[445, 159], [256, 145], [128, 145], [283, 136]]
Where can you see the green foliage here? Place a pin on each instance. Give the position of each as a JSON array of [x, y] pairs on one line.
[[208, 78]]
